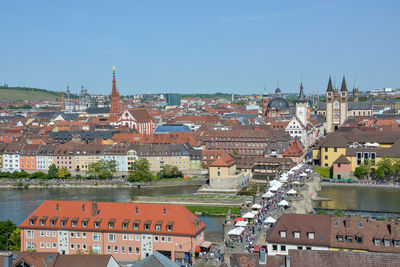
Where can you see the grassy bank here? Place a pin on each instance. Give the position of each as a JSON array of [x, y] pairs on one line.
[[213, 211]]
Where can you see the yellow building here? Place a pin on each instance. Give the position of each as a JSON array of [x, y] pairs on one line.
[[358, 148]]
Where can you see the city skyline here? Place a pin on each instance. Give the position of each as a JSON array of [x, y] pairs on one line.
[[193, 48]]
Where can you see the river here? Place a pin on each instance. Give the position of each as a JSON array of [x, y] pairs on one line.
[[372, 199], [17, 204]]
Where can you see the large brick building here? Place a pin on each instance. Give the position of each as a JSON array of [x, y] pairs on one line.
[[127, 231]]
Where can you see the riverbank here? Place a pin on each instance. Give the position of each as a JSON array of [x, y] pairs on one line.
[[370, 185], [199, 204], [115, 183]]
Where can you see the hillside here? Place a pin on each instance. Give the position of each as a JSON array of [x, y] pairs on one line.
[[24, 93]]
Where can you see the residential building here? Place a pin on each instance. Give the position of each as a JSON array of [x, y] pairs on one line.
[[117, 153], [299, 232], [28, 157], [11, 159], [223, 174], [127, 231]]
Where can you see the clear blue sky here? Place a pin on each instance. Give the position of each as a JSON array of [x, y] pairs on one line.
[[199, 46]]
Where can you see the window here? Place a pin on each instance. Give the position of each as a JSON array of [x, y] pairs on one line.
[[78, 246], [130, 250], [326, 149], [340, 238], [125, 226], [71, 234], [136, 226], [310, 235], [96, 225], [131, 237], [326, 157], [335, 149], [282, 234], [300, 248], [349, 239], [387, 242], [169, 239], [308, 248], [359, 239], [377, 242], [275, 247], [54, 234], [54, 245], [115, 249], [41, 233], [137, 250], [111, 237], [30, 245], [96, 237], [158, 227], [296, 234], [169, 228], [84, 224], [96, 248], [163, 239], [72, 246], [124, 237], [73, 224], [123, 250], [137, 237], [283, 248], [108, 249], [146, 227], [42, 244], [84, 246], [397, 243], [361, 224], [48, 233], [83, 235], [156, 238]]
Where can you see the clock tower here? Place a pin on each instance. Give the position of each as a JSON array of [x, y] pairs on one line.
[[302, 107]]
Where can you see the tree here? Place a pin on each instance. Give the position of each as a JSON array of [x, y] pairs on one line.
[[63, 173], [386, 164], [170, 171], [53, 172], [338, 213], [6, 230], [103, 168], [140, 171], [360, 171], [14, 241], [380, 173], [38, 175]]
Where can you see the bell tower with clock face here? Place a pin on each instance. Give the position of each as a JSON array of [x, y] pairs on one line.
[[302, 106]]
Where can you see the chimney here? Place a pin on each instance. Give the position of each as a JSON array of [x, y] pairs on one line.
[[94, 208], [263, 256], [287, 259], [165, 210]]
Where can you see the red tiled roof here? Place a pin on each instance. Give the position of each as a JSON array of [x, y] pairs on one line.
[[224, 161], [185, 222]]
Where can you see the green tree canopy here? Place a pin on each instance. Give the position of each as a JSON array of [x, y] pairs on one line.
[[170, 171], [103, 168], [53, 172], [7, 236], [140, 171], [63, 173]]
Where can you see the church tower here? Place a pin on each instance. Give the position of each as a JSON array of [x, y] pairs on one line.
[[115, 110], [355, 91], [330, 102], [302, 106], [265, 100], [344, 97]]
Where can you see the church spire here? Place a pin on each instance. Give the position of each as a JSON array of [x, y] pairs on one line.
[[114, 91], [355, 83], [330, 87], [265, 89], [344, 87], [301, 94]]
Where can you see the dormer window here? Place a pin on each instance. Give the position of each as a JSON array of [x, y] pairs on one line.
[[43, 221], [340, 238], [64, 221], [147, 225], [158, 225], [282, 234], [311, 235], [377, 242], [296, 235], [32, 220], [125, 224], [74, 222], [97, 223], [84, 224], [170, 225], [111, 223]]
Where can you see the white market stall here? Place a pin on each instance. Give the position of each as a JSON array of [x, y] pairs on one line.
[[270, 220], [283, 203], [241, 223], [248, 215], [292, 192], [236, 231], [269, 194]]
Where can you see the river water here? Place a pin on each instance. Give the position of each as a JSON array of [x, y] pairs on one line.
[[375, 199]]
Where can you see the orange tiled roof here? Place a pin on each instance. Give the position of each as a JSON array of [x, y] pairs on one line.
[[182, 220], [224, 161]]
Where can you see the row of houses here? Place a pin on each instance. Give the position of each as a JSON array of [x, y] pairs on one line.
[[76, 157]]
